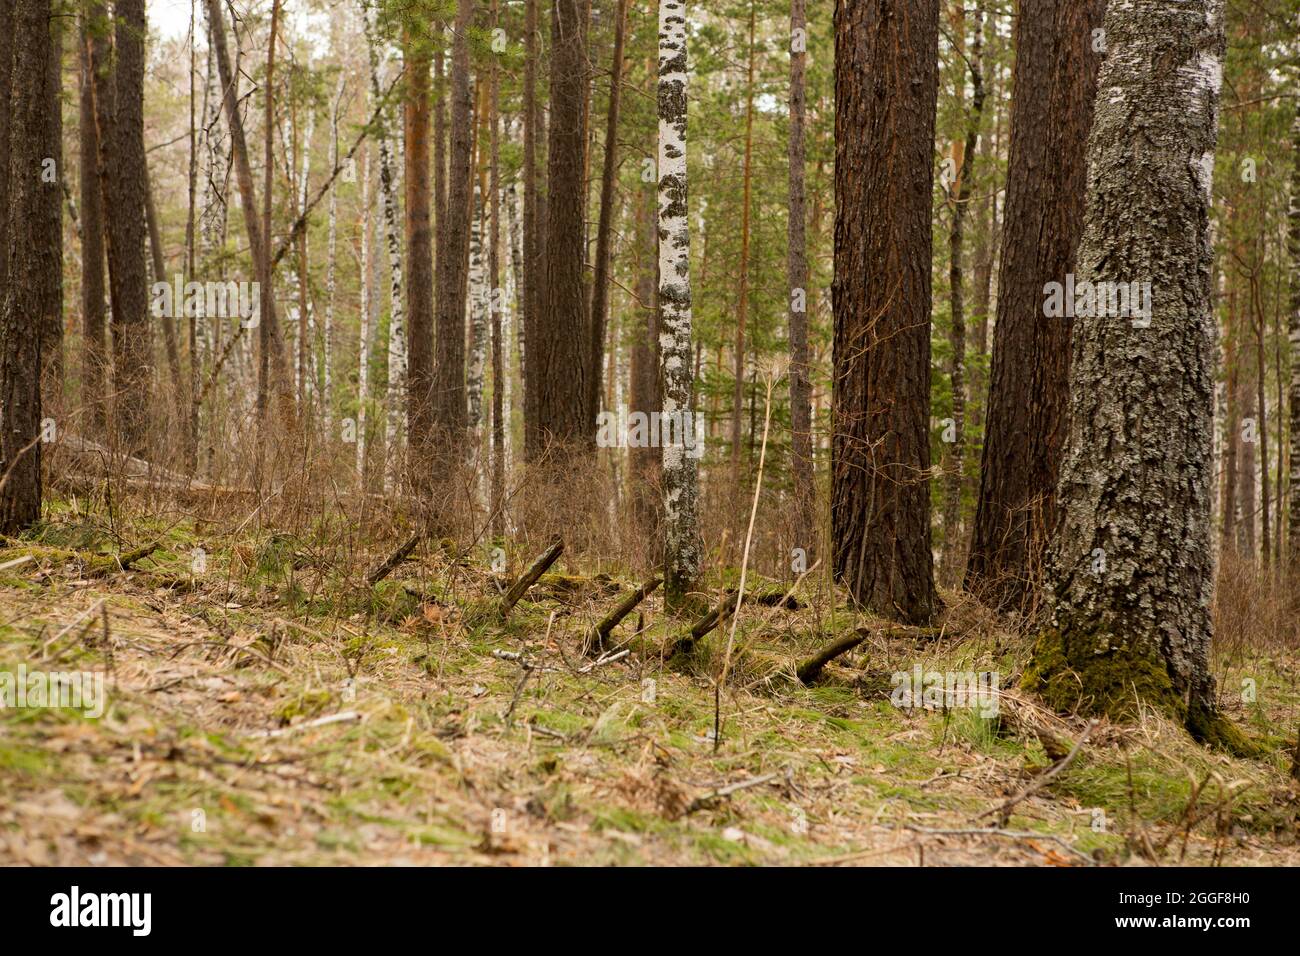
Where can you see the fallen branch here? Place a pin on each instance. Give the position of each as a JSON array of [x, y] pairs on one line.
[[122, 562], [600, 633], [16, 562], [1003, 810], [701, 802], [809, 670], [318, 722], [385, 567], [529, 578]]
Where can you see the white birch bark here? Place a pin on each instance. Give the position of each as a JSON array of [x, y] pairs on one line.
[[680, 475], [327, 358], [396, 397], [478, 314], [363, 348]]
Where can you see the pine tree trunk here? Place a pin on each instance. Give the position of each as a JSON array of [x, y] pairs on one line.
[[29, 252], [680, 469], [1053, 91], [644, 395], [1130, 573], [1293, 399], [560, 355], [49, 225], [532, 265], [452, 265], [742, 294], [132, 341], [801, 451], [886, 86]]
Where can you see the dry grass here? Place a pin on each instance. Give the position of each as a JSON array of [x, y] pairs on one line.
[[452, 751]]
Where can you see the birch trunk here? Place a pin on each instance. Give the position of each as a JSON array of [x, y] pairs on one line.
[[1130, 573], [327, 357], [395, 399], [477, 312], [680, 474]]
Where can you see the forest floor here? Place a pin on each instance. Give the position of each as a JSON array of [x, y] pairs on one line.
[[266, 708]]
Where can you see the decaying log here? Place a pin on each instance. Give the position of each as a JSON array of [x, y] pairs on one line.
[[812, 667], [600, 633], [529, 578], [385, 567], [121, 562]]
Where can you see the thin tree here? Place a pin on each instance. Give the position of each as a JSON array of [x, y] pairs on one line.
[[452, 264], [604, 228], [680, 474], [801, 450], [533, 273], [959, 197], [886, 87], [1130, 572], [742, 294], [1054, 86], [498, 465], [1293, 399], [419, 249], [94, 347]]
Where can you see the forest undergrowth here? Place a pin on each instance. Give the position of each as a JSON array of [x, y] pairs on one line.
[[266, 704]]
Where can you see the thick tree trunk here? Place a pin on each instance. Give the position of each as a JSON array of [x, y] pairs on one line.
[[452, 265], [680, 468], [1053, 92], [132, 339], [801, 451], [559, 357], [1130, 573], [93, 53], [419, 251], [605, 225], [886, 85], [30, 253]]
